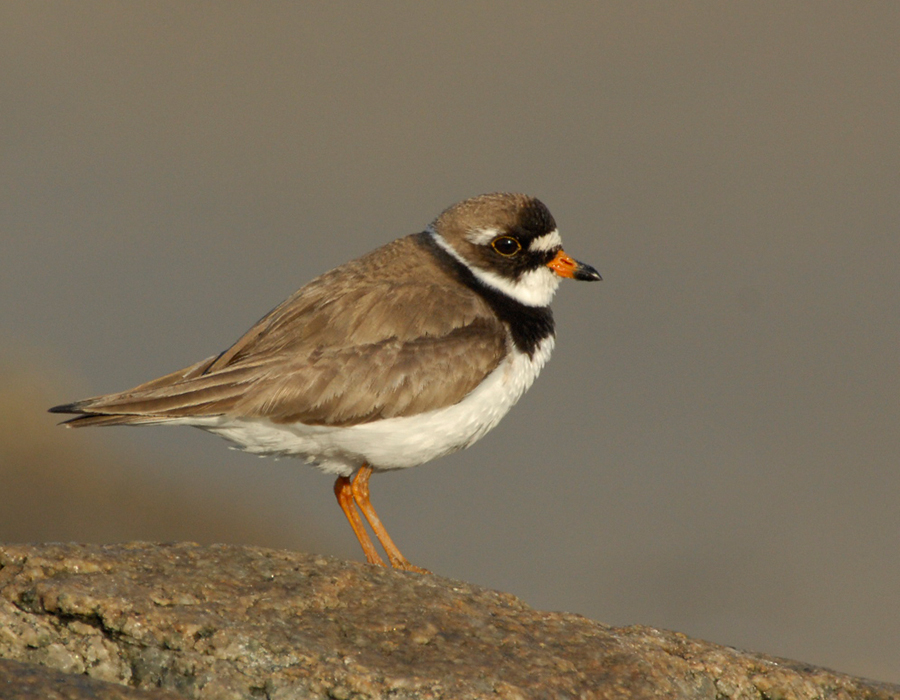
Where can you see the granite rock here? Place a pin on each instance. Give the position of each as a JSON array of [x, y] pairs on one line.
[[20, 681], [246, 622]]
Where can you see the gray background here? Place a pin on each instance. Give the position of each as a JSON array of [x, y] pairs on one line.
[[714, 446]]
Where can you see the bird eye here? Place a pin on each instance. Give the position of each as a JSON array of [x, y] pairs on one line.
[[506, 246]]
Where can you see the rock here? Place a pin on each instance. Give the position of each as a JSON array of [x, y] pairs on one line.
[[245, 622], [20, 681]]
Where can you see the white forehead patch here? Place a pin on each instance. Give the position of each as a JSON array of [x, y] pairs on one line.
[[482, 236], [549, 241]]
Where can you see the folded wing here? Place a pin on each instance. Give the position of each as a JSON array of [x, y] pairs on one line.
[[335, 353]]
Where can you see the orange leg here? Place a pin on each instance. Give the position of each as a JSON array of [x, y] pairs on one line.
[[343, 489], [360, 490]]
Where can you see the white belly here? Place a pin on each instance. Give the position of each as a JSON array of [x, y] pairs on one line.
[[393, 443]]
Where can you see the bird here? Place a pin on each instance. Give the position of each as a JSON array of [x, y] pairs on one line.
[[408, 353]]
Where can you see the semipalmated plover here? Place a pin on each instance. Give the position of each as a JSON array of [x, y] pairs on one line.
[[406, 354]]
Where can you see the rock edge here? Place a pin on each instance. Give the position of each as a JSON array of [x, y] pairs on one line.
[[247, 622]]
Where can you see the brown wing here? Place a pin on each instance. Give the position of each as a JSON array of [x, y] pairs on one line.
[[386, 379], [363, 342]]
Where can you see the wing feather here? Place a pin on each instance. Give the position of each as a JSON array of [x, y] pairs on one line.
[[360, 343]]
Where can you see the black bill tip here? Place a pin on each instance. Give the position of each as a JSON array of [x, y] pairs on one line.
[[586, 273]]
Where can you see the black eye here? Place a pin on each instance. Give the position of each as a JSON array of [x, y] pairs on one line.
[[506, 246]]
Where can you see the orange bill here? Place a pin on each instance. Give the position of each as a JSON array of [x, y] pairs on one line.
[[568, 267]]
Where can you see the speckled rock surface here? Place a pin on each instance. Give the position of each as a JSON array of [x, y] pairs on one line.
[[246, 622], [20, 681]]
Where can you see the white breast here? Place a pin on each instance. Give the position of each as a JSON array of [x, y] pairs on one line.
[[393, 443]]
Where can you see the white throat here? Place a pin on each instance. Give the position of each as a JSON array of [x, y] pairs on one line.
[[534, 288]]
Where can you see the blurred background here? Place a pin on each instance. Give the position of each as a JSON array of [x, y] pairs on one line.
[[713, 448]]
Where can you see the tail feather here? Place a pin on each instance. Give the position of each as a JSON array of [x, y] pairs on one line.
[[99, 420], [187, 392]]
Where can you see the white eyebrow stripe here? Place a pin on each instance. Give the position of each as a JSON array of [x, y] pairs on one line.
[[482, 236], [549, 241]]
